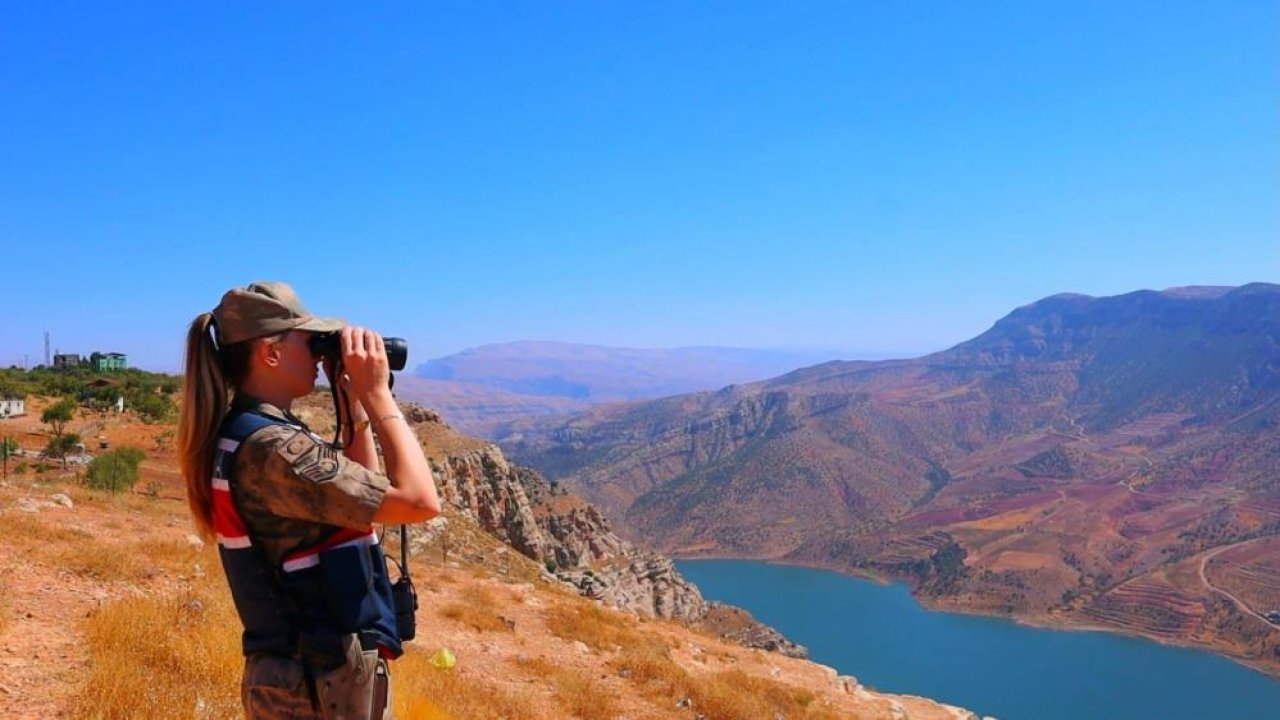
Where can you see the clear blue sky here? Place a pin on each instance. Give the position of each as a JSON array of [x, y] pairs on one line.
[[868, 176]]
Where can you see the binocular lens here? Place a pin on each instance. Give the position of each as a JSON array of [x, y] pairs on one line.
[[329, 345], [397, 352]]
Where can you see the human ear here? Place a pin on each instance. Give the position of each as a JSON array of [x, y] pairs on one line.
[[269, 353]]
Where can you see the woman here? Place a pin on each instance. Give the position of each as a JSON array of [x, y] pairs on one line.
[[294, 517]]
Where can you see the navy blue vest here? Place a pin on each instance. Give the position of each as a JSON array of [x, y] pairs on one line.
[[338, 586]]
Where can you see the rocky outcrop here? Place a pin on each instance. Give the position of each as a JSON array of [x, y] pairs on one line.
[[570, 537], [736, 624], [642, 581], [482, 483]]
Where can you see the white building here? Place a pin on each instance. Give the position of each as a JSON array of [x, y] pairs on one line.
[[12, 407]]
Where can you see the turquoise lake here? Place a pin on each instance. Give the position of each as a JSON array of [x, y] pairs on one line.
[[882, 636]]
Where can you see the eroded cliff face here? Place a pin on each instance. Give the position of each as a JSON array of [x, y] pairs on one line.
[[570, 537], [642, 580]]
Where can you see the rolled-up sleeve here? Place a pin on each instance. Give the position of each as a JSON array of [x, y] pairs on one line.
[[291, 473]]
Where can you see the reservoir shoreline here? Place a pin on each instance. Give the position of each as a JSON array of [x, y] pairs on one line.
[[881, 634], [1043, 622]]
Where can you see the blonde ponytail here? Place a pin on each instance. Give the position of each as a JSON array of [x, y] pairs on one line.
[[205, 397]]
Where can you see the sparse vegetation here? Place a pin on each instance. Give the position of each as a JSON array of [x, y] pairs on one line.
[[29, 532], [100, 564], [476, 609], [164, 657], [115, 470], [646, 662], [594, 626], [580, 694], [60, 446], [727, 695], [737, 696], [164, 439], [422, 691]]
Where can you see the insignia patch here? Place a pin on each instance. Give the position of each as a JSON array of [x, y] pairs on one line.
[[297, 446], [320, 470]]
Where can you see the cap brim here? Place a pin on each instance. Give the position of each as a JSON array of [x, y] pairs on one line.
[[318, 324]]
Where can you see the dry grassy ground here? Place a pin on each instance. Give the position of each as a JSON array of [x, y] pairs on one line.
[[109, 609]]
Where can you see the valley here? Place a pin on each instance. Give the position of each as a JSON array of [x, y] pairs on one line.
[[1091, 462]]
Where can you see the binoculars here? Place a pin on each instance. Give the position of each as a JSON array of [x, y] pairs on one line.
[[329, 345]]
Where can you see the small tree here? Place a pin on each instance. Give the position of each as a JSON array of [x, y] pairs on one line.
[[59, 414], [115, 470], [8, 448], [60, 446]]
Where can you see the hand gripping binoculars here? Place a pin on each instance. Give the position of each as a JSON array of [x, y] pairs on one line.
[[329, 345]]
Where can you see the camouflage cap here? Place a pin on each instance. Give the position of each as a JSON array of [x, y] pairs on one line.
[[265, 308]]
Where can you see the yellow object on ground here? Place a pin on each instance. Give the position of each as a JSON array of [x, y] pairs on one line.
[[443, 659]]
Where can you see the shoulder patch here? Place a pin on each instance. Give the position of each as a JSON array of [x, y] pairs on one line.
[[312, 459], [321, 470], [298, 447]]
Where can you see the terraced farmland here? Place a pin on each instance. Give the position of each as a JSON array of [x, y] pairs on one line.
[[1148, 608]]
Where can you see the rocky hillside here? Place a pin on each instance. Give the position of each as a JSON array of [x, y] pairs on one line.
[[566, 535], [1058, 467], [547, 524]]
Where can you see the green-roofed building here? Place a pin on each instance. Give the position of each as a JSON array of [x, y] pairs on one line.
[[103, 362]]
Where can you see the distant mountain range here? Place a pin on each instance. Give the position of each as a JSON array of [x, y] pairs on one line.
[[1104, 461], [490, 389]]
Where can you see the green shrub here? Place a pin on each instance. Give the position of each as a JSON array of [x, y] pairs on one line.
[[60, 446], [115, 470], [153, 408]]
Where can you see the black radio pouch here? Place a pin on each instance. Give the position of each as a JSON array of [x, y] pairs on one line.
[[404, 594], [406, 599]]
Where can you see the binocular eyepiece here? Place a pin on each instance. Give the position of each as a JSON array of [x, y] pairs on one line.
[[329, 345]]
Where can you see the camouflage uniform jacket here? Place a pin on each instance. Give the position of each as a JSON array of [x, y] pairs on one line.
[[293, 489]]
